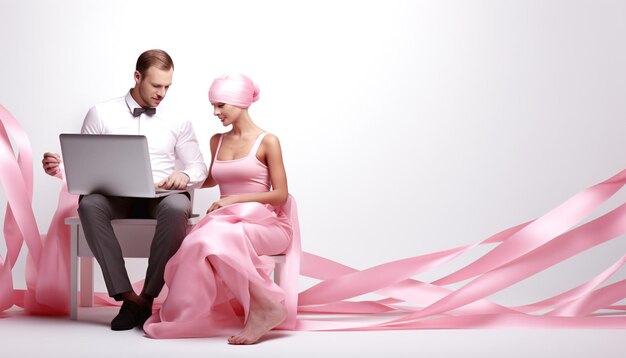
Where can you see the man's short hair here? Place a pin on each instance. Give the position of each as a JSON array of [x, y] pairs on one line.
[[157, 58]]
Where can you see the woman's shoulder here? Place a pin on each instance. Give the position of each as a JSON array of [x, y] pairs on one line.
[[271, 143], [270, 138], [215, 138]]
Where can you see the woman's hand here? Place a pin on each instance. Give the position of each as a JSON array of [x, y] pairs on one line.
[[222, 203]]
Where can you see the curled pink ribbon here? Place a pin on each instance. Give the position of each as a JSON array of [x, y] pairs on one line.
[[519, 252]]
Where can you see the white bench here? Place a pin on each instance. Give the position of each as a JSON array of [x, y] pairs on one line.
[[135, 237]]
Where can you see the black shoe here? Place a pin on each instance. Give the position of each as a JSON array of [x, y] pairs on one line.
[[144, 313], [127, 318]]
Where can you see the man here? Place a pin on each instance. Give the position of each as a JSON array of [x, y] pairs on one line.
[[169, 139]]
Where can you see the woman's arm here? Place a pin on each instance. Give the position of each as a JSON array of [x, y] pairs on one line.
[[273, 157], [210, 182]]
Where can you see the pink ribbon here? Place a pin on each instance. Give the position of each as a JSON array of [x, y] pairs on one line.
[[519, 252], [47, 262]]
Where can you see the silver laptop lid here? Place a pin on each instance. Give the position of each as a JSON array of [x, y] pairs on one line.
[[116, 165]]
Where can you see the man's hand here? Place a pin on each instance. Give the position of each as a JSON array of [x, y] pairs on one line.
[[51, 162], [176, 181]]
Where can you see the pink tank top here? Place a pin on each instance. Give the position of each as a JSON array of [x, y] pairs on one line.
[[241, 176]]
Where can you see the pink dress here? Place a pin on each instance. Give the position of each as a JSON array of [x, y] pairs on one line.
[[208, 277]]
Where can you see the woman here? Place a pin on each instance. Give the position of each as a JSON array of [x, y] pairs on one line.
[[216, 280]]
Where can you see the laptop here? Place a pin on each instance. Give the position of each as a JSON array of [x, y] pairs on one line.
[[109, 164]]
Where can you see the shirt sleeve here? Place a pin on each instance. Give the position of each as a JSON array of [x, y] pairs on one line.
[[190, 157], [92, 123]]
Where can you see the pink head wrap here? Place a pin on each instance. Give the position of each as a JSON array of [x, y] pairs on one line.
[[235, 89]]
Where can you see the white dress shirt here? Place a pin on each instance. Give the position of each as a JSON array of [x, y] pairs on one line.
[[169, 138]]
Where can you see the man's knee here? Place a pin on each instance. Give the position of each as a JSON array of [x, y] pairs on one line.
[[175, 205], [90, 203]]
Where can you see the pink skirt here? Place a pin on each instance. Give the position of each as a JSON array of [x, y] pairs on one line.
[[209, 276]]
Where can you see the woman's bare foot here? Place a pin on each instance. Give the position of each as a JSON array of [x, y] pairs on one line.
[[260, 321]]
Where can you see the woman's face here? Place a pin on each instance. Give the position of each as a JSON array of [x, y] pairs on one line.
[[227, 113]]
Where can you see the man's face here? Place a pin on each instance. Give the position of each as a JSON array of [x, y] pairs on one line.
[[153, 85]]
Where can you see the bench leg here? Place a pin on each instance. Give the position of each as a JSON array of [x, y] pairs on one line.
[[278, 269], [86, 281], [73, 272]]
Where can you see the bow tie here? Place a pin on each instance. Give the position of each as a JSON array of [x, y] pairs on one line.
[[138, 111]]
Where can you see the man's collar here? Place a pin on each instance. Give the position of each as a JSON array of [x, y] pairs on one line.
[[131, 103]]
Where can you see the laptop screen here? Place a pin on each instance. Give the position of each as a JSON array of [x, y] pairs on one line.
[[115, 165]]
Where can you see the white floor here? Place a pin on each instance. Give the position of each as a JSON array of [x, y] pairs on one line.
[[29, 336]]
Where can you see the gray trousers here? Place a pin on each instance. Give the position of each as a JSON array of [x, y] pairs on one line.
[[96, 212]]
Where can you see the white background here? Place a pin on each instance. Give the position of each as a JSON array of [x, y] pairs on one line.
[[407, 127]]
